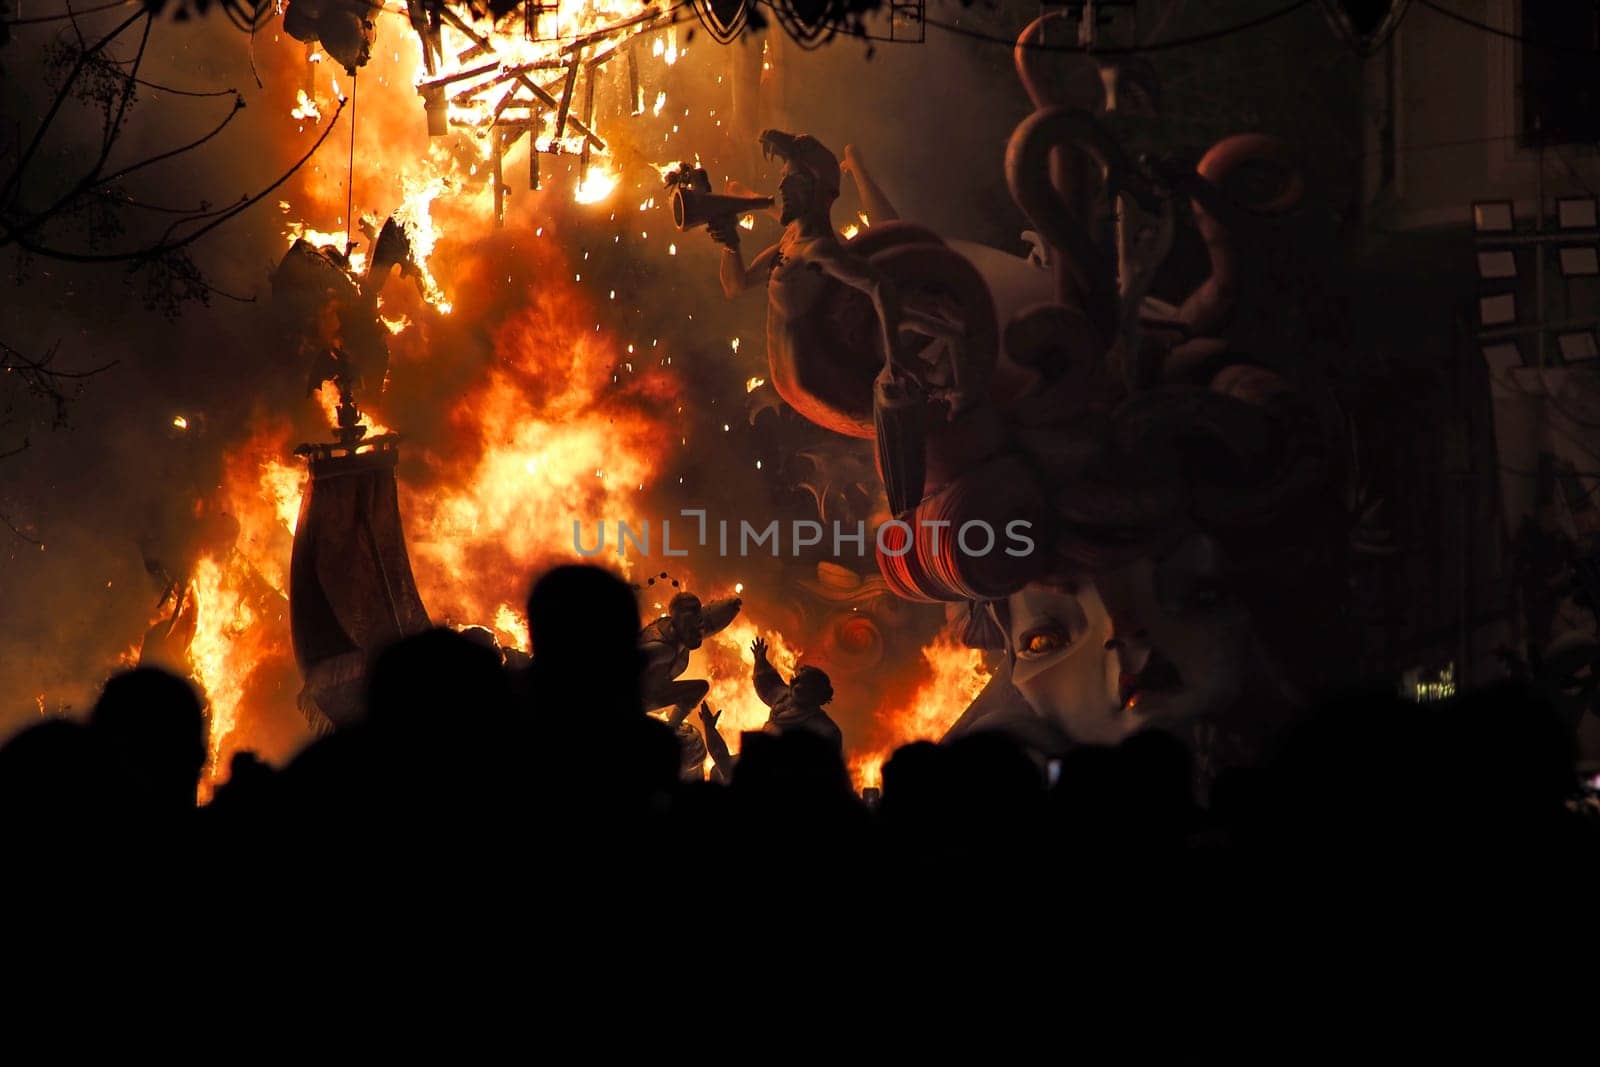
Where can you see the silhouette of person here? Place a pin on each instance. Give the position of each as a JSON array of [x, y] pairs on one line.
[[584, 682], [153, 726]]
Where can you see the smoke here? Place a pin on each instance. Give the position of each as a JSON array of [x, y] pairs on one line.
[[119, 479]]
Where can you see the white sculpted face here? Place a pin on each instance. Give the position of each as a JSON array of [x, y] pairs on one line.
[[1150, 643]]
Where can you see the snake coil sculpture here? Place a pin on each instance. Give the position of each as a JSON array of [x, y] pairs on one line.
[[1129, 429]]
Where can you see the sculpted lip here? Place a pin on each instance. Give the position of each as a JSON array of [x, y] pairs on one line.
[[1159, 675]]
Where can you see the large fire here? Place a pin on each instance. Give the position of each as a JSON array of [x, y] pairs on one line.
[[527, 407]]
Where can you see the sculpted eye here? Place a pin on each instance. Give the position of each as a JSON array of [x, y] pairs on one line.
[[1042, 641]]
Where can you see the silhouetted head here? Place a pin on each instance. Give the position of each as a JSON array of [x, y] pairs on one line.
[[684, 609], [483, 636], [584, 623], [153, 725], [56, 773], [436, 680], [916, 783], [791, 770], [811, 687]]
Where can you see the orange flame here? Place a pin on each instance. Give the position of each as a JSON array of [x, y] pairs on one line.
[[958, 675], [547, 428]]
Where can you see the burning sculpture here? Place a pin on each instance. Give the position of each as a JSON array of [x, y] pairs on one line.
[[667, 643], [350, 586], [351, 591], [499, 87], [343, 27], [1187, 494], [839, 315]]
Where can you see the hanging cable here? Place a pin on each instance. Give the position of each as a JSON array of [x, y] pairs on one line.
[[350, 177]]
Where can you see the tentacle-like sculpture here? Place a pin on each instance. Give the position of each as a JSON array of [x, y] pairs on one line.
[[1104, 465], [1085, 276], [1222, 198]]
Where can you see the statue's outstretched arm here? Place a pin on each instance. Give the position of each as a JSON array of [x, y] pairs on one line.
[[874, 201], [721, 759], [716, 615]]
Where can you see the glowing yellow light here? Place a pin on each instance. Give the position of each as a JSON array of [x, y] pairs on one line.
[[305, 108], [596, 187]]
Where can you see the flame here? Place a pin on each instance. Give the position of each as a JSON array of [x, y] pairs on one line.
[[240, 655], [663, 170], [415, 214], [511, 628], [295, 231], [328, 401], [850, 230], [306, 108], [555, 419], [752, 384], [726, 662], [598, 186], [180, 422], [283, 485], [222, 616], [544, 438], [957, 675]]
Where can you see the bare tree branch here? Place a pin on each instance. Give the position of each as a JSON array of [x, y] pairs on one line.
[[18, 235], [62, 96]]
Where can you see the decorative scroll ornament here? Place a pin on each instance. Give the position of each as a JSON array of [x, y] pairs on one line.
[[811, 22], [724, 20], [1364, 25]]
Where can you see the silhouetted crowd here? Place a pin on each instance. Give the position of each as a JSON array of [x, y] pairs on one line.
[[477, 802]]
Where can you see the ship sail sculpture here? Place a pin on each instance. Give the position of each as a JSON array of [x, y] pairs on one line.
[[351, 591]]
